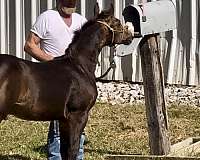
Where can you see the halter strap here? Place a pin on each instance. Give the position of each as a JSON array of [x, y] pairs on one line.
[[111, 29]]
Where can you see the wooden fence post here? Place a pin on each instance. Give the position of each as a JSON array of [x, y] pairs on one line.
[[154, 96]]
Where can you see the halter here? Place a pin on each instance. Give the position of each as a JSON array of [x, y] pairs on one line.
[[111, 29], [113, 63]]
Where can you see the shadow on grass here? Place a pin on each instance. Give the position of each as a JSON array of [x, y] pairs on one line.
[[41, 150], [102, 151], [14, 157]]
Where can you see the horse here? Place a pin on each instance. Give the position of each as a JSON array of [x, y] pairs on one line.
[[64, 88]]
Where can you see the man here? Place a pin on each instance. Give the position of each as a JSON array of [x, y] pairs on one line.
[[49, 37]]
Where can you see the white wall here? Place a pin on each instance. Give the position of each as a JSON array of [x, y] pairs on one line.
[[179, 48]]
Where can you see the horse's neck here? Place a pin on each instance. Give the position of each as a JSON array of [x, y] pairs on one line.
[[89, 62], [88, 49]]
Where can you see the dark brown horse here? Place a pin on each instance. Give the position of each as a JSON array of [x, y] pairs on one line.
[[63, 89]]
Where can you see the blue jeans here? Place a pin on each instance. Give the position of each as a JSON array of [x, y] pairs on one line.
[[54, 143]]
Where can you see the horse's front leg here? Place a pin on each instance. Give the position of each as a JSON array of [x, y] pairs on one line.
[[70, 132]]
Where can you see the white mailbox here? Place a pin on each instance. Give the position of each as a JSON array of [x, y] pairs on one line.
[[151, 17]]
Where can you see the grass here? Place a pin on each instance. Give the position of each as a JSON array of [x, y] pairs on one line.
[[110, 130]]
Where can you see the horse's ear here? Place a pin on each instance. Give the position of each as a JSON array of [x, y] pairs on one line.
[[111, 10], [96, 10]]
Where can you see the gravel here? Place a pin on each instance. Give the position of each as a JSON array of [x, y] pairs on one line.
[[128, 93]]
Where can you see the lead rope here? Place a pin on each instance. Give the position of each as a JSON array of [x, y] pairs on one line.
[[112, 66], [112, 63]]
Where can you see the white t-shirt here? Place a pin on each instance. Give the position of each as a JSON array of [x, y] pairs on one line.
[[54, 33]]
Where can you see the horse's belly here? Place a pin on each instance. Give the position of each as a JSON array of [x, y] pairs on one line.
[[38, 113]]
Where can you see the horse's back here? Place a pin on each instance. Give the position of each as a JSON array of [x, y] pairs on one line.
[[9, 68]]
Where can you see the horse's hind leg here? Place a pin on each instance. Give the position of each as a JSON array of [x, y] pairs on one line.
[[3, 116], [70, 132], [3, 112]]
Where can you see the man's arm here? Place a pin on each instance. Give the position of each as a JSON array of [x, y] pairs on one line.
[[32, 48]]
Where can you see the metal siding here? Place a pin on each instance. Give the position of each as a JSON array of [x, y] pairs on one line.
[[18, 37], [12, 26], [3, 27], [179, 48]]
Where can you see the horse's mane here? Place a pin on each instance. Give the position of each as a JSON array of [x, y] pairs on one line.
[[78, 32]]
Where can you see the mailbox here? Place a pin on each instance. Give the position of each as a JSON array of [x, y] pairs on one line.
[[151, 17]]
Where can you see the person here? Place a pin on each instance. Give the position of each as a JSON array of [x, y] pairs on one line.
[[49, 37]]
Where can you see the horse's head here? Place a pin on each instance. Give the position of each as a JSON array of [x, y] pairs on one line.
[[116, 32]]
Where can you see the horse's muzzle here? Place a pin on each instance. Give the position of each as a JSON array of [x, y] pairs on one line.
[[128, 35], [130, 28]]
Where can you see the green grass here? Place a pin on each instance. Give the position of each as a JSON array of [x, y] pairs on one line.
[[110, 130], [22, 139]]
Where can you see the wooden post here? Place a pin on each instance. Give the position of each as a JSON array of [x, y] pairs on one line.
[[154, 96]]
